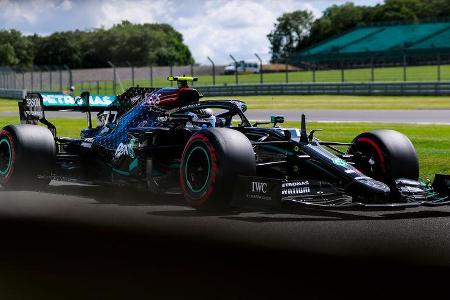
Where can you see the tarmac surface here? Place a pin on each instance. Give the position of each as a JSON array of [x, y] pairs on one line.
[[385, 116], [79, 241]]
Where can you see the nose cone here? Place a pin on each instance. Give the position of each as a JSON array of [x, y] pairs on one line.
[[368, 190]]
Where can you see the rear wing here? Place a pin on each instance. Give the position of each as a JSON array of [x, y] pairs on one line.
[[58, 102], [33, 106]]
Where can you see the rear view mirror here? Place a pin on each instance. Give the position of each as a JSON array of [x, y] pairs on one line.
[[276, 119]]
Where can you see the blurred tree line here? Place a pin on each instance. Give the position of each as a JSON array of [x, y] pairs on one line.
[[138, 44], [297, 30]]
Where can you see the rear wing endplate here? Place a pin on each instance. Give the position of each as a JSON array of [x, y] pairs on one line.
[[31, 111]]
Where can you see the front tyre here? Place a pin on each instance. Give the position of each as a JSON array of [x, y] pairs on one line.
[[385, 155], [211, 161], [27, 156]]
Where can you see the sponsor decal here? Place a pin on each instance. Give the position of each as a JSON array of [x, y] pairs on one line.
[[32, 108], [67, 100], [191, 106], [259, 197], [339, 162], [296, 191], [259, 191], [35, 102], [131, 148], [87, 143], [142, 124], [259, 187], [152, 99], [353, 171], [125, 149], [296, 187], [34, 114], [121, 150], [135, 99], [295, 183]]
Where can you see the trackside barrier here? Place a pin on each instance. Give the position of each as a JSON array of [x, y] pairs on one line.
[[12, 94], [373, 88]]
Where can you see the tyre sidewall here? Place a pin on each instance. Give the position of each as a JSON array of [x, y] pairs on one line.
[[34, 153], [199, 198], [395, 151], [231, 154], [6, 178]]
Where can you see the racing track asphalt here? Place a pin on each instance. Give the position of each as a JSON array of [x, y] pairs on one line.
[[78, 241], [386, 116]]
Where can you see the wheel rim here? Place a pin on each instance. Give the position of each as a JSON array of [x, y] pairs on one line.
[[371, 161], [5, 157], [197, 170]]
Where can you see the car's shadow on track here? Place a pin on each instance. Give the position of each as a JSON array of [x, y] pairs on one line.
[[305, 215], [126, 197], [311, 215], [115, 195]]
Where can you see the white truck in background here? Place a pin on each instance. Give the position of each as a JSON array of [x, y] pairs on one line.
[[242, 67]]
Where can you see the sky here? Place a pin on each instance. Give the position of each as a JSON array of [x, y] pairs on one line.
[[214, 28]]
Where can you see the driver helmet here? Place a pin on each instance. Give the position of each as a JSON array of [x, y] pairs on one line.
[[206, 113], [182, 84]]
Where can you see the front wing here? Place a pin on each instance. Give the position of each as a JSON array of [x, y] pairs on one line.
[[268, 193]]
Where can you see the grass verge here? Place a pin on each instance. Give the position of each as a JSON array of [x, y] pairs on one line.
[[65, 127], [8, 105]]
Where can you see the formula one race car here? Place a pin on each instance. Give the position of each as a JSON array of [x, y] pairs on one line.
[[167, 140]]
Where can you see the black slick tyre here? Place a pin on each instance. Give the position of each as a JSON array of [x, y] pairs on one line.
[[385, 155], [211, 162], [27, 156]]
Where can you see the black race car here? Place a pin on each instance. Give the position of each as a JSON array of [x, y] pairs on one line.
[[167, 140]]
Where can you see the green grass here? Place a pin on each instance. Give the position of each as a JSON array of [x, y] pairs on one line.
[[388, 74], [432, 142], [65, 127], [8, 105]]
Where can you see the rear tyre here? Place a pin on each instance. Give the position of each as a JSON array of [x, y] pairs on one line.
[[211, 162], [27, 156], [385, 155]]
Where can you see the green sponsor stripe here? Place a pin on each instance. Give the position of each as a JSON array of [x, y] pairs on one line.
[[95, 100], [120, 172], [133, 164]]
